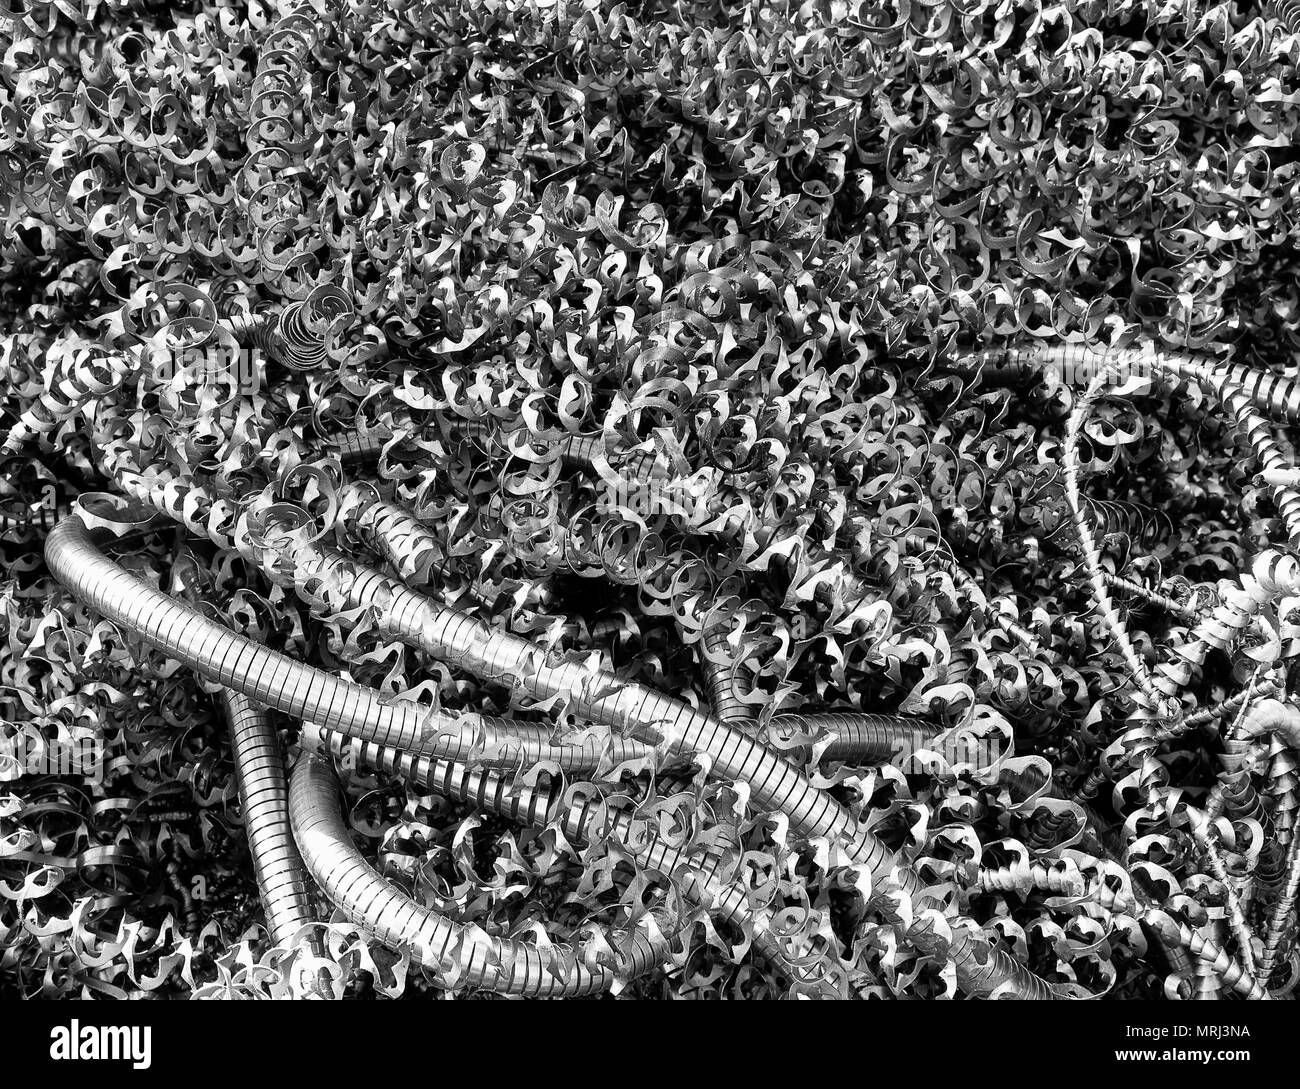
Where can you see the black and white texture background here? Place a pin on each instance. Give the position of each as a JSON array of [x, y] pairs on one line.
[[700, 500]]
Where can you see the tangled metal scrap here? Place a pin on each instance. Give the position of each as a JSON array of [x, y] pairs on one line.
[[694, 474]]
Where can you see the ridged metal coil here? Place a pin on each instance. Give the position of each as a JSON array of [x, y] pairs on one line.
[[461, 956]]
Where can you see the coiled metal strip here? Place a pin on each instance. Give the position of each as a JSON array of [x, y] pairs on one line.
[[307, 693], [460, 639], [1274, 394], [461, 956], [1287, 12], [858, 737], [497, 793], [264, 797], [719, 670], [493, 655]]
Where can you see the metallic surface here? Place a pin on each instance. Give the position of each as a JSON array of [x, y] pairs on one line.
[[282, 879], [304, 692], [581, 818], [461, 956]]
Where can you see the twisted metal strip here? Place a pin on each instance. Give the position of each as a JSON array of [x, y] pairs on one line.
[[79, 375], [1091, 554], [719, 668], [856, 736], [265, 676], [1280, 918], [582, 820], [1270, 392], [1024, 873], [630, 708], [1236, 916], [1165, 602], [306, 693], [460, 956], [264, 797]]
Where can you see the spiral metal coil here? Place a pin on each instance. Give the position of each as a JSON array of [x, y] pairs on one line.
[[1286, 12], [1162, 601], [1269, 392], [719, 668], [855, 737], [1233, 909], [464, 956], [1258, 432], [1225, 969], [263, 791], [1240, 798], [299, 690], [582, 820], [76, 374], [1283, 791], [1091, 554], [1060, 878], [1206, 986], [1281, 923], [299, 339]]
